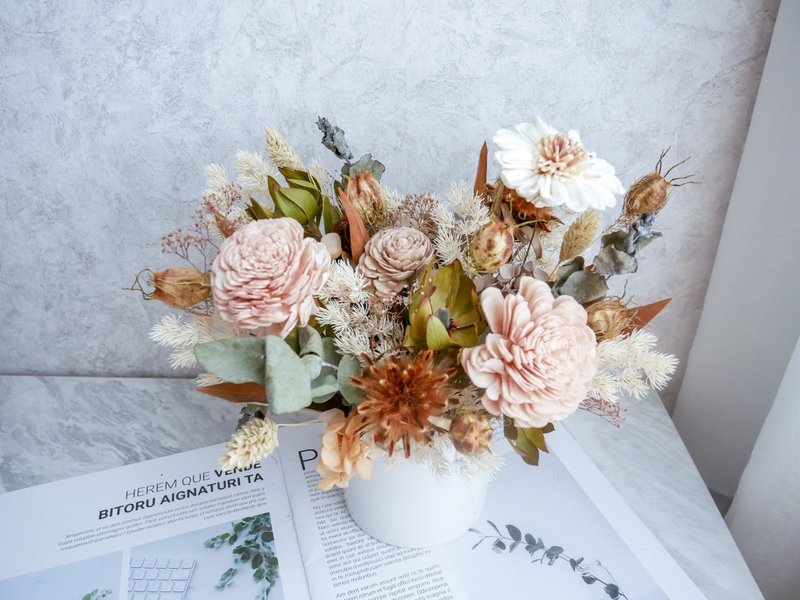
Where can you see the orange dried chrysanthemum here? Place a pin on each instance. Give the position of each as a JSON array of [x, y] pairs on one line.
[[343, 453], [401, 393]]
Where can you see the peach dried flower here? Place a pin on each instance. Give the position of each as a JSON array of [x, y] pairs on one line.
[[538, 360], [343, 453], [266, 274]]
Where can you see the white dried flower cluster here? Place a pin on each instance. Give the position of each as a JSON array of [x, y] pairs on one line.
[[253, 173], [360, 326], [252, 442], [392, 201], [322, 175], [629, 364], [216, 179], [444, 460], [460, 217], [280, 151], [182, 335]]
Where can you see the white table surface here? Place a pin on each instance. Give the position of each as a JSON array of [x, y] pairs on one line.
[[58, 427]]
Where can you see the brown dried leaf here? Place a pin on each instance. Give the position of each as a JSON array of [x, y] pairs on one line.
[[236, 392], [642, 315], [480, 177], [358, 231]]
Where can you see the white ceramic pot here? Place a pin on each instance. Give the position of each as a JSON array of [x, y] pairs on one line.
[[405, 504]]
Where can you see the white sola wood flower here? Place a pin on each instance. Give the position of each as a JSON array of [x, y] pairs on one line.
[[550, 169]]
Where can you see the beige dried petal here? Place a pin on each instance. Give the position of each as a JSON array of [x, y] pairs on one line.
[[393, 258]]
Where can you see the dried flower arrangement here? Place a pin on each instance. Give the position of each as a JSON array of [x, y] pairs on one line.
[[413, 325]]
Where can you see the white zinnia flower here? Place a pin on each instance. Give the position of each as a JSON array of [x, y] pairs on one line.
[[252, 442], [550, 168]]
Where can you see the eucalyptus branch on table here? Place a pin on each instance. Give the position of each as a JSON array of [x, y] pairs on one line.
[[533, 545]]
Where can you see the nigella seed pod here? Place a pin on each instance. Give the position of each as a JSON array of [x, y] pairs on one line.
[[650, 193], [180, 287], [491, 248], [471, 433]]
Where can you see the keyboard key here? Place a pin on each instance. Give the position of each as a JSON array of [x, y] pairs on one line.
[[149, 563], [171, 596], [161, 563], [136, 562], [174, 563], [178, 586], [151, 597], [152, 586], [163, 574], [181, 574], [151, 574], [187, 564], [138, 597], [166, 586], [137, 574], [130, 584], [130, 596], [140, 586]]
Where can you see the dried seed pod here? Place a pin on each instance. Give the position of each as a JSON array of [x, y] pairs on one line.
[[179, 287], [471, 433], [491, 248], [609, 318], [651, 192]]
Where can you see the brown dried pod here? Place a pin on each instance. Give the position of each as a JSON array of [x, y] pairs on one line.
[[609, 318], [471, 433], [180, 287], [491, 248], [651, 192], [366, 195]]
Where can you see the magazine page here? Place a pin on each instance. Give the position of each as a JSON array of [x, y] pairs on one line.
[[560, 530], [174, 528], [342, 562]]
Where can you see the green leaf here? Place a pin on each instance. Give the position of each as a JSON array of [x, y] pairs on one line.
[[310, 341], [302, 199], [236, 360], [436, 335], [232, 539], [585, 287], [612, 590], [552, 554], [349, 367], [494, 527], [287, 381], [611, 261], [291, 210], [312, 364], [324, 390], [257, 560], [331, 214], [257, 211], [515, 533], [567, 269]]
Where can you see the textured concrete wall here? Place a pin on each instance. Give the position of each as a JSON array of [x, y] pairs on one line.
[[108, 115]]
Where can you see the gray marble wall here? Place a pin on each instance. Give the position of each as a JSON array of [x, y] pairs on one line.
[[108, 114]]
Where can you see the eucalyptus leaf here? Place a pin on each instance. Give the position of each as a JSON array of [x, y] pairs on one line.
[[310, 341], [312, 364], [236, 360], [349, 367], [611, 261], [287, 382], [585, 287], [568, 268]]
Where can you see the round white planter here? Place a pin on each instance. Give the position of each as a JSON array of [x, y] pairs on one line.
[[405, 504]]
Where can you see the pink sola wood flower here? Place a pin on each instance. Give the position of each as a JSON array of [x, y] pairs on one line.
[[266, 274], [537, 363]]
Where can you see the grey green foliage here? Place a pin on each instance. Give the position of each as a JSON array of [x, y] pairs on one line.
[[540, 553], [365, 164], [573, 280], [303, 368], [251, 539], [618, 248]]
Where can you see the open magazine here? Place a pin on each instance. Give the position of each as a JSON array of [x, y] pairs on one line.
[[179, 528]]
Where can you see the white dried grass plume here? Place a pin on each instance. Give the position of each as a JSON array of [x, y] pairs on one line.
[[458, 219], [280, 151], [252, 442], [253, 172], [344, 283], [208, 379], [630, 365], [216, 179], [580, 235], [392, 199], [182, 335], [445, 461]]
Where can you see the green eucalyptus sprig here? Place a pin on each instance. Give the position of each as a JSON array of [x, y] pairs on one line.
[[251, 539]]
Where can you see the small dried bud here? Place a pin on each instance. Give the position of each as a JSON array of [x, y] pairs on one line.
[[333, 243], [471, 433], [366, 195], [491, 248], [180, 287], [609, 318], [648, 194]]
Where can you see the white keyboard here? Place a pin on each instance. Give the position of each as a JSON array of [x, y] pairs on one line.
[[159, 578]]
